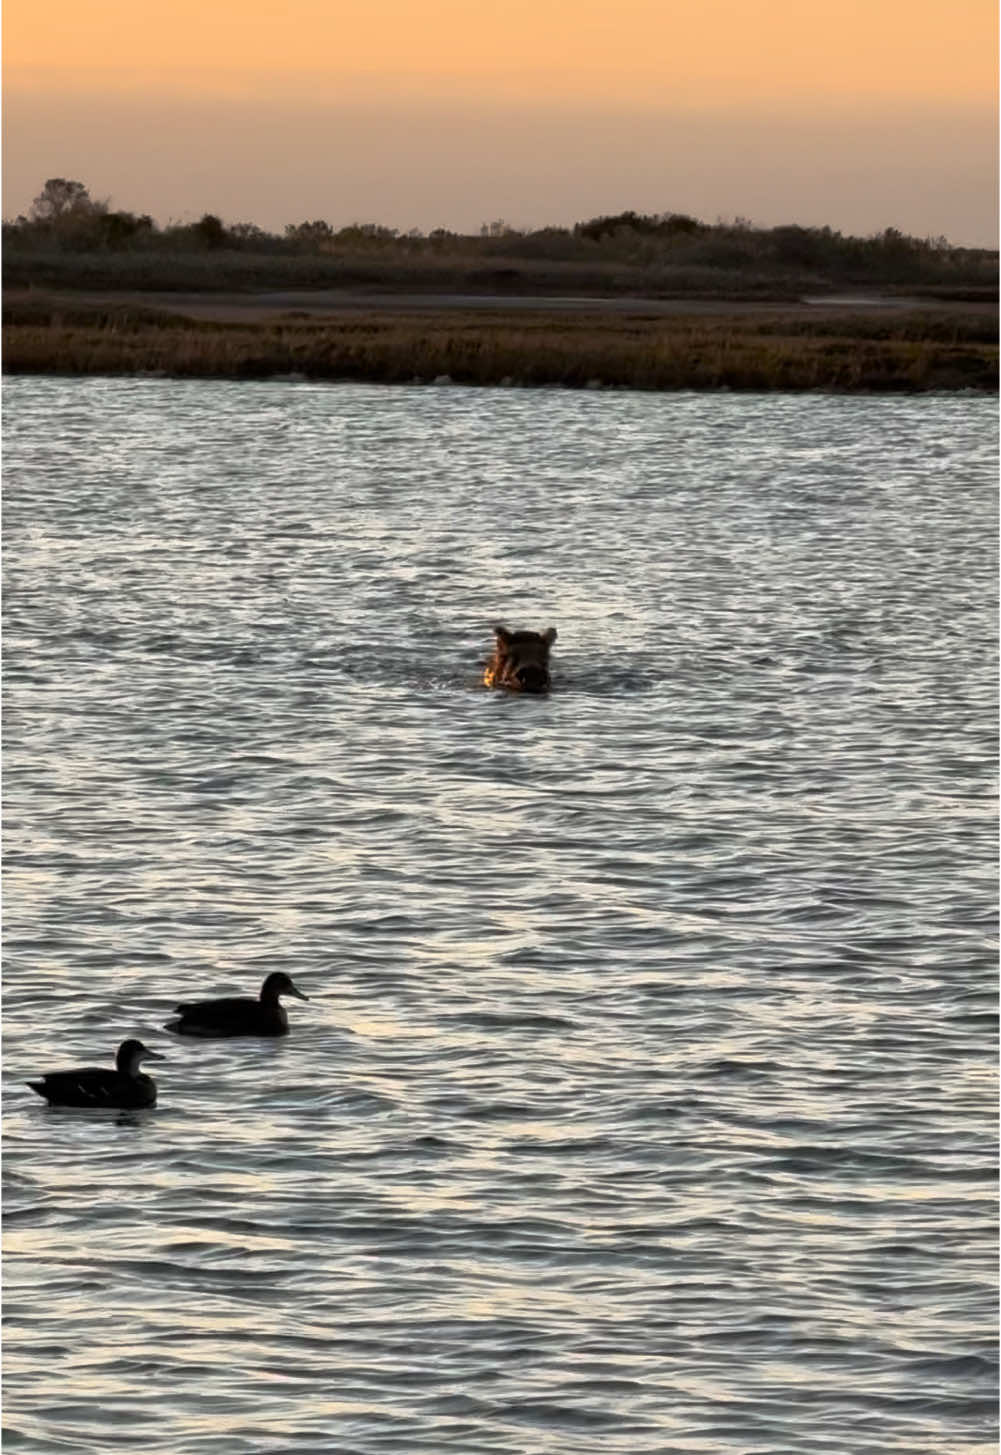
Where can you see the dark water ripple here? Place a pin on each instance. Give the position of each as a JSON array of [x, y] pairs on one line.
[[644, 1101]]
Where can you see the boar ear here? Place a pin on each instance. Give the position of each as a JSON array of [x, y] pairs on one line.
[[502, 634], [549, 636]]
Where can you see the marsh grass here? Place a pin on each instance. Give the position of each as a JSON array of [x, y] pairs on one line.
[[182, 271], [848, 353]]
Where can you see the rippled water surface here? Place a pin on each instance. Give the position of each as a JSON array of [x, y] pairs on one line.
[[644, 1097]]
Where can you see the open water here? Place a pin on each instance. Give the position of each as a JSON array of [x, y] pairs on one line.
[[644, 1101]]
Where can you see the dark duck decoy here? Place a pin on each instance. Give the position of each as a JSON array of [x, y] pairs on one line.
[[239, 1015], [97, 1086]]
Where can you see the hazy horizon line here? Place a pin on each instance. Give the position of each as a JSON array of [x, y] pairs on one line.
[[736, 222], [398, 90], [929, 169]]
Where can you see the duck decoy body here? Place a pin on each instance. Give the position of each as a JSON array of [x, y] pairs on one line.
[[239, 1015], [96, 1086]]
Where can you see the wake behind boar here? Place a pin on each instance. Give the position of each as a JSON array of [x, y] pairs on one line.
[[520, 660]]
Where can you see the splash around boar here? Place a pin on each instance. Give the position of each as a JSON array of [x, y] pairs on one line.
[[520, 660]]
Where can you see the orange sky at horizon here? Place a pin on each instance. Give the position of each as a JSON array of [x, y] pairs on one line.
[[85, 86], [714, 51]]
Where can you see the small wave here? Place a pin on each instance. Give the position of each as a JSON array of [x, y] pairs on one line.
[[510, 1021]]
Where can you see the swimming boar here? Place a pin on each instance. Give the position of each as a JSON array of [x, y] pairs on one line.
[[520, 660]]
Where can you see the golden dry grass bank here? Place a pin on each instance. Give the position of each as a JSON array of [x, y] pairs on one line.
[[905, 352]]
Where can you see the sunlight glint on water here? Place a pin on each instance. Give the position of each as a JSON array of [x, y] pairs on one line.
[[643, 1101]]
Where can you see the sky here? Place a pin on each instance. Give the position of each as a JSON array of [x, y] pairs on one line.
[[853, 114]]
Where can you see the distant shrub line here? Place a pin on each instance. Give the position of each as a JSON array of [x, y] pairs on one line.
[[70, 239]]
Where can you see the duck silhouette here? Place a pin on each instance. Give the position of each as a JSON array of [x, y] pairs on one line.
[[125, 1086], [239, 1015]]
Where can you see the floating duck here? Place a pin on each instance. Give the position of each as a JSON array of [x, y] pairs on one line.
[[239, 1015], [126, 1086]]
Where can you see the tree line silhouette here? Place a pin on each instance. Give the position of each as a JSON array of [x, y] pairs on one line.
[[64, 219]]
